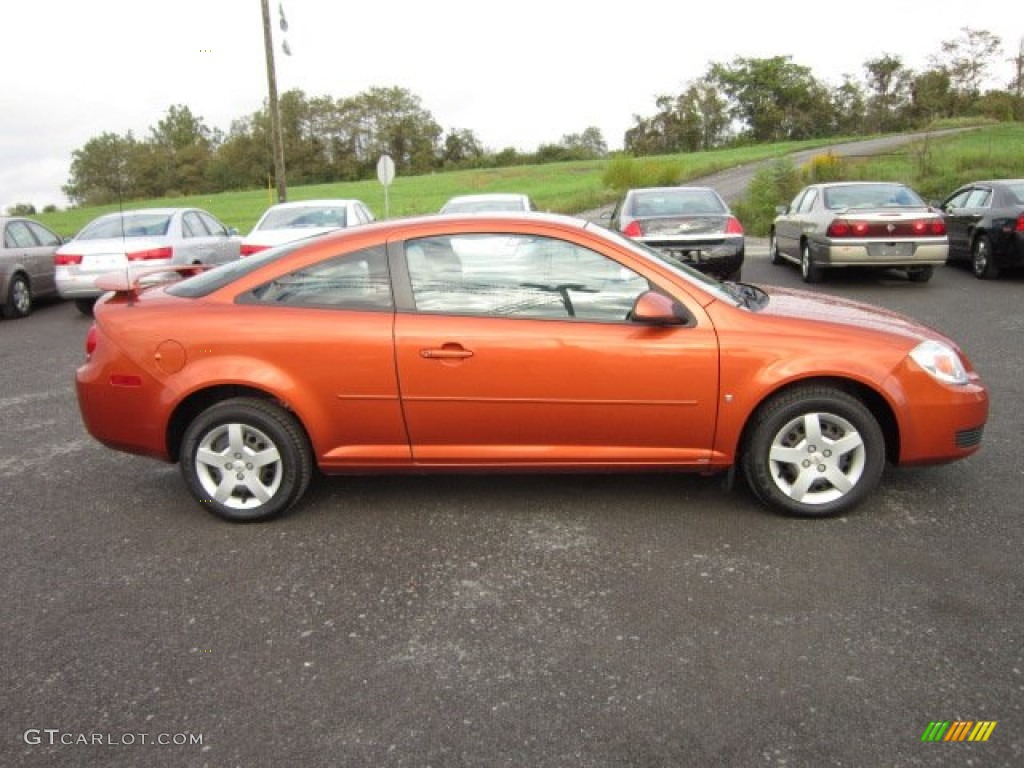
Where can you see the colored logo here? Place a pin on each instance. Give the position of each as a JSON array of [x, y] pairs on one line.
[[958, 730]]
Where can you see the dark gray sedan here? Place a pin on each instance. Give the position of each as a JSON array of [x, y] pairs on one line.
[[692, 225], [859, 224]]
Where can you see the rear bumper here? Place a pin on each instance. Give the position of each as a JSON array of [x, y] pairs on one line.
[[880, 253], [720, 260]]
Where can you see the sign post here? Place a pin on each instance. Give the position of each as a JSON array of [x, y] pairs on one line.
[[386, 174]]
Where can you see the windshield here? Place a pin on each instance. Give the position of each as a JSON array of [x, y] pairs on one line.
[[127, 225], [305, 217]]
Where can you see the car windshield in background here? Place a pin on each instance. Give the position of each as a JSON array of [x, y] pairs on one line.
[[871, 196], [128, 225], [483, 206], [305, 218], [683, 202]]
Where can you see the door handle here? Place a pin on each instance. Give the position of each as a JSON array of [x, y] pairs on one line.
[[453, 352]]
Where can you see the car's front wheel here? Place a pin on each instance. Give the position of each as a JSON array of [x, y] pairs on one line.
[[984, 266], [813, 451], [773, 250], [19, 297], [246, 459], [809, 271]]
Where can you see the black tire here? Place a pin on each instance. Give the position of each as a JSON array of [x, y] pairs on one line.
[[773, 250], [819, 480], [920, 274], [85, 306], [983, 264], [258, 442], [19, 297], [809, 271]]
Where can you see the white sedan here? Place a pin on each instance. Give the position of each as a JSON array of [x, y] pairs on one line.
[[149, 237], [287, 222]]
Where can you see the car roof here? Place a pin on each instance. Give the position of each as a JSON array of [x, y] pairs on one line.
[[488, 196], [673, 189]]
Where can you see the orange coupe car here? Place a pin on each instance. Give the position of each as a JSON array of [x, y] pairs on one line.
[[518, 342]]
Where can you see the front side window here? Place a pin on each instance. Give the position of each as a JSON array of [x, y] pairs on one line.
[[979, 198], [43, 235], [212, 225], [355, 281], [524, 276], [808, 201]]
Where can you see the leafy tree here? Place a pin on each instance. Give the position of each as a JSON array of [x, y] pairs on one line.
[[888, 85], [99, 170], [967, 60], [775, 99], [21, 209]]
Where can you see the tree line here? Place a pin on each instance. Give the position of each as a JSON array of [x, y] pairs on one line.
[[748, 100]]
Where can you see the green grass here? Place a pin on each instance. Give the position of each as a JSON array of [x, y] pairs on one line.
[[933, 169]]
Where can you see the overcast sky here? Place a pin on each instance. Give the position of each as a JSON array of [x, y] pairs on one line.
[[517, 73]]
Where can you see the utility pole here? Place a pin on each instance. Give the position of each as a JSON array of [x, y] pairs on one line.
[[275, 115]]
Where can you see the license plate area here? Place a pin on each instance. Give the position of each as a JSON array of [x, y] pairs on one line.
[[891, 250]]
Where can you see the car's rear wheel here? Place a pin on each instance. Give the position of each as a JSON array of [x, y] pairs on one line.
[[245, 459], [19, 297], [85, 306], [813, 451], [984, 266], [809, 271], [920, 274], [773, 250]]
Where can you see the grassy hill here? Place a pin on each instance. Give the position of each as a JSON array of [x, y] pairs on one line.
[[933, 168]]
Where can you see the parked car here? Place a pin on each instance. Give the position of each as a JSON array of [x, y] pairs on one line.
[[285, 222], [859, 224], [985, 222], [692, 225], [153, 236], [489, 203], [26, 264], [512, 343]]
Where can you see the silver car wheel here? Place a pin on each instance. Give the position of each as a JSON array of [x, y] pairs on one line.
[[817, 458], [19, 298], [239, 466]]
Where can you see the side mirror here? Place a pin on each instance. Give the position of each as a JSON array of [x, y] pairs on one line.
[[232, 231], [652, 308], [781, 210]]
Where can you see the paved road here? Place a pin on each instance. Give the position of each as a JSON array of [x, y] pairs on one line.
[[540, 621]]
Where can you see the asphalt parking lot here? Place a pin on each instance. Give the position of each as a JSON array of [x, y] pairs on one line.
[[648, 620]]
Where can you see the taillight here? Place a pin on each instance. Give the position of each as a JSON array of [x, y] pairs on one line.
[[249, 249], [733, 226], [1020, 223], [91, 339], [928, 227], [152, 253], [843, 228], [66, 259], [632, 229]]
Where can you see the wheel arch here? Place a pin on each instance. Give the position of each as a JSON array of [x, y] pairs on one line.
[[872, 399], [197, 402]]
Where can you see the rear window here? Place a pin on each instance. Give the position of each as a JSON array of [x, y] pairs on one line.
[[127, 225], [212, 280], [305, 218], [681, 202], [1017, 190], [871, 196]]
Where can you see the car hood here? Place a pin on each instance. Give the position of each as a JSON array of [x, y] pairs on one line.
[[272, 237], [837, 311], [113, 245]]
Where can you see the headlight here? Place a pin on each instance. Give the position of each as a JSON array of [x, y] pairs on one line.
[[941, 361]]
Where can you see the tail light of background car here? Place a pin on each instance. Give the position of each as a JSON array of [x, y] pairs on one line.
[[733, 226], [66, 259], [151, 253], [916, 227], [248, 249], [633, 229], [1020, 223]]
